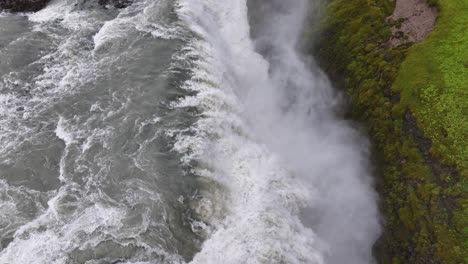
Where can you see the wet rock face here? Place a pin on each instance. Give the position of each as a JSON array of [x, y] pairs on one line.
[[116, 3], [22, 5]]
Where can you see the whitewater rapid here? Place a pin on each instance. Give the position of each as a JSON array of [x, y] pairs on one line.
[[185, 131], [275, 143]]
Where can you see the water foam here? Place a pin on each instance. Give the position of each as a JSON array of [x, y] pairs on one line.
[[258, 168], [268, 134], [80, 217], [262, 225]]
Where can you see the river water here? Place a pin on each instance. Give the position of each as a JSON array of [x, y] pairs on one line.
[[175, 131]]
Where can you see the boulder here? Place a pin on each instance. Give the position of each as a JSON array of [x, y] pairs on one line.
[[22, 5]]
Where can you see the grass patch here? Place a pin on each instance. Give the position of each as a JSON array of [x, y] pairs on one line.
[[433, 83]]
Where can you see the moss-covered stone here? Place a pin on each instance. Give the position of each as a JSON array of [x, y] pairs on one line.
[[413, 100]]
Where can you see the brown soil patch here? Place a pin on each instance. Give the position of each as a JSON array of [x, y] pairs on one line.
[[418, 21]]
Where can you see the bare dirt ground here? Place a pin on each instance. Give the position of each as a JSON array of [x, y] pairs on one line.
[[419, 21]]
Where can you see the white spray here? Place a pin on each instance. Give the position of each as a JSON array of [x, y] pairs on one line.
[[270, 135]]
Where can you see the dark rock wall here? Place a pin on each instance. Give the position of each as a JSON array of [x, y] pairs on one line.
[[23, 5], [36, 5]]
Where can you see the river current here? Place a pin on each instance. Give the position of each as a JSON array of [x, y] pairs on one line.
[[175, 131]]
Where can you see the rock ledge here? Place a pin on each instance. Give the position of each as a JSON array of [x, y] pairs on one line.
[[36, 5], [22, 5]]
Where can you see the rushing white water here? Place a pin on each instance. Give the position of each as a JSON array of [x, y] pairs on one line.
[[270, 135], [174, 132]]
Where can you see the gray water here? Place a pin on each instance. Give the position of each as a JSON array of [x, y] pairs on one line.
[[175, 131]]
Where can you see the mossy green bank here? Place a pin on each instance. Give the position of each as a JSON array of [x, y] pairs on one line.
[[413, 99]]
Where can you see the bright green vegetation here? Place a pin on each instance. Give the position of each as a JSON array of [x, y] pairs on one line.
[[433, 82], [414, 102]]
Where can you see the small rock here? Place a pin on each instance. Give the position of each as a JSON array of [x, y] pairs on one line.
[[399, 34], [388, 57]]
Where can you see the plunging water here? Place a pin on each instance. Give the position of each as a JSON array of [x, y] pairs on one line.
[[175, 132]]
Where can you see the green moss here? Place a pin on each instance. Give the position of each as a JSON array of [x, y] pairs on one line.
[[413, 100], [433, 83]]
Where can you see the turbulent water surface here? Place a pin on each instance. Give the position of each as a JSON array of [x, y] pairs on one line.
[[175, 131]]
